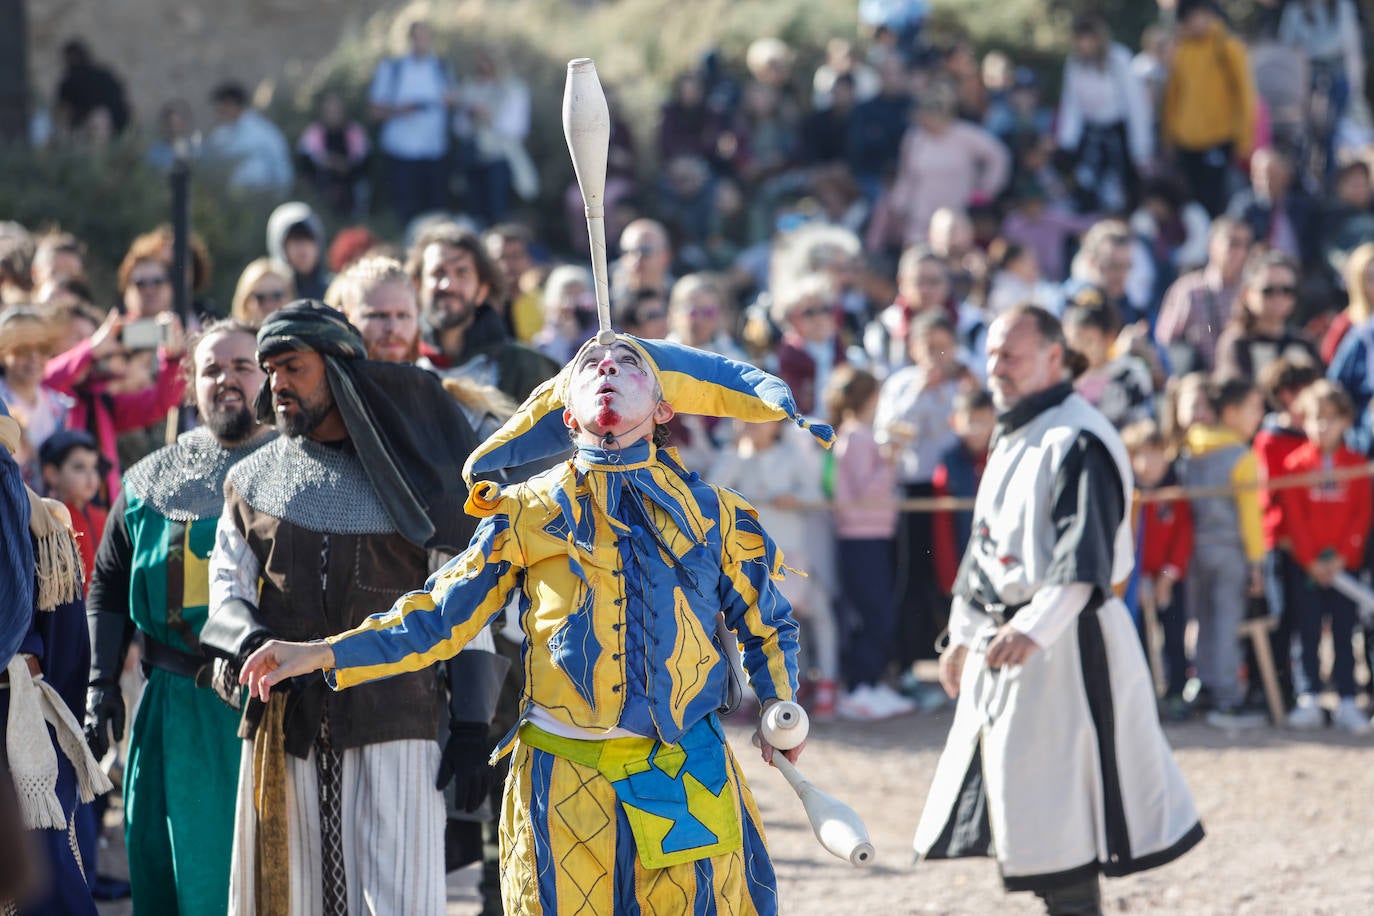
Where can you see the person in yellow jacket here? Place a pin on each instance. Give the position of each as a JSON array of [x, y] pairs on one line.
[[1208, 115], [623, 796]]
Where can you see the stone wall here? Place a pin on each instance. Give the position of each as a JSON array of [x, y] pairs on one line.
[[166, 49]]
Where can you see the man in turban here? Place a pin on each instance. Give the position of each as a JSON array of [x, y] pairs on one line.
[[328, 524], [623, 794]]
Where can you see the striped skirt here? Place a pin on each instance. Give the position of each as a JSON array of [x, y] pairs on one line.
[[392, 825], [566, 848]]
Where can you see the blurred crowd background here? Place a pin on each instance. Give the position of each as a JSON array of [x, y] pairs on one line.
[[1186, 184]]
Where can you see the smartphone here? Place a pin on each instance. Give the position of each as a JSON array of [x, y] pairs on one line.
[[143, 334]]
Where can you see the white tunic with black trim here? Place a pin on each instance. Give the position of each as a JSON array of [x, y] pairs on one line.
[[1058, 768]]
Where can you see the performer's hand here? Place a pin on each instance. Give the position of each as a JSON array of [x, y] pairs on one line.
[[952, 668], [275, 661], [104, 717], [1010, 647], [767, 750]]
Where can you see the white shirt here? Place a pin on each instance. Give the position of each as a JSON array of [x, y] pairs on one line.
[[413, 80], [1103, 96], [260, 156]]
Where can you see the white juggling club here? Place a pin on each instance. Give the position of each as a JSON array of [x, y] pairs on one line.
[[587, 127], [785, 725], [838, 826]]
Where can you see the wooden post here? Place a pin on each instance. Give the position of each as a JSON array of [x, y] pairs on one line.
[[1258, 630], [14, 72], [1154, 638]]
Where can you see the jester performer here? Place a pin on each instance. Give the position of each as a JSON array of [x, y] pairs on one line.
[[152, 572], [42, 688], [623, 795], [1055, 763]]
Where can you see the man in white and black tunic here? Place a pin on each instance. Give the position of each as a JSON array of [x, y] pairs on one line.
[[1055, 764]]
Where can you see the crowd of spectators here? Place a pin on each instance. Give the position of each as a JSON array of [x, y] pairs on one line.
[[1197, 207]]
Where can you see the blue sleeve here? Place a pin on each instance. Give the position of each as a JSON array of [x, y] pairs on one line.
[[16, 559], [1350, 369], [434, 623], [754, 607]]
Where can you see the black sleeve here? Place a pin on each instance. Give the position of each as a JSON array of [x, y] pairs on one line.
[[107, 604], [1087, 508]]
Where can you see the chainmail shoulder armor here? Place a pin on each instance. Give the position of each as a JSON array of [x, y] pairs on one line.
[[185, 480], [317, 487]]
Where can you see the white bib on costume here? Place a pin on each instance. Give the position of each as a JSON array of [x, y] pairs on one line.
[[1013, 534]]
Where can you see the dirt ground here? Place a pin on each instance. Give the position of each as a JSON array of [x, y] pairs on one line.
[[1288, 818]]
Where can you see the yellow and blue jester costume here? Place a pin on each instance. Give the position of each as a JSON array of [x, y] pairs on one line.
[[623, 796]]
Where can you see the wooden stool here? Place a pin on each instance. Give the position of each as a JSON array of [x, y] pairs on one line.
[[1258, 628]]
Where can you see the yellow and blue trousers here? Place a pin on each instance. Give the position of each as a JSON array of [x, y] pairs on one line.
[[581, 819]]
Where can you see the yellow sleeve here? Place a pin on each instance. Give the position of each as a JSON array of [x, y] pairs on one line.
[[1244, 477], [754, 607]]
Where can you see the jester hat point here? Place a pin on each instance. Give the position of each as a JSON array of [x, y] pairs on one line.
[[693, 382]]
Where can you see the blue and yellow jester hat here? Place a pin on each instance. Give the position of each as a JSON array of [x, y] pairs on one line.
[[693, 382]]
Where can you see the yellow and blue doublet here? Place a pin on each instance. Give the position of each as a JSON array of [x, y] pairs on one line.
[[622, 561]]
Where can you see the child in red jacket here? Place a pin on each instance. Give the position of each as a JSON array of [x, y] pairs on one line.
[[1164, 539], [1282, 433], [1327, 524], [72, 471]]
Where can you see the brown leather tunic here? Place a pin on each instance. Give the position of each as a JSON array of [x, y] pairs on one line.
[[362, 575]]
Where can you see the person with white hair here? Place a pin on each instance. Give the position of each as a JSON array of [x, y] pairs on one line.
[[810, 347], [569, 312]]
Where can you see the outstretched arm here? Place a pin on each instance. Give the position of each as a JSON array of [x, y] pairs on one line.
[[423, 627]]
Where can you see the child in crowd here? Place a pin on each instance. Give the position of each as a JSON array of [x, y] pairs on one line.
[[72, 468], [914, 407], [1186, 404], [865, 487], [779, 471], [1326, 524], [957, 474], [1281, 381], [1120, 387], [1228, 543], [1164, 545]]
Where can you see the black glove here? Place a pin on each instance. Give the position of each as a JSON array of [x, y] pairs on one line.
[[465, 764], [104, 716]]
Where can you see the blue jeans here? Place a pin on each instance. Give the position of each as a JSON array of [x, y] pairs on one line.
[[417, 186], [488, 191], [866, 567]]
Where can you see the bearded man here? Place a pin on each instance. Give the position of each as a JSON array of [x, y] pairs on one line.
[[467, 337], [152, 574], [321, 528], [1055, 763]]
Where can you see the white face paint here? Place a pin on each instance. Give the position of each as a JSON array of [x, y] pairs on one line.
[[613, 393]]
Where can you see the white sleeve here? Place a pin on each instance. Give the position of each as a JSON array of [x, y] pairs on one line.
[[512, 117], [234, 568], [1070, 114], [1139, 114], [482, 642], [965, 622], [1051, 612]]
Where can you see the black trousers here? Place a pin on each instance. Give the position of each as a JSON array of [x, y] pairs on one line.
[[921, 610], [1083, 898], [1208, 173]]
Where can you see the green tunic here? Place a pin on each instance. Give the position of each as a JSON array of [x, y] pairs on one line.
[[183, 768], [181, 777]]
